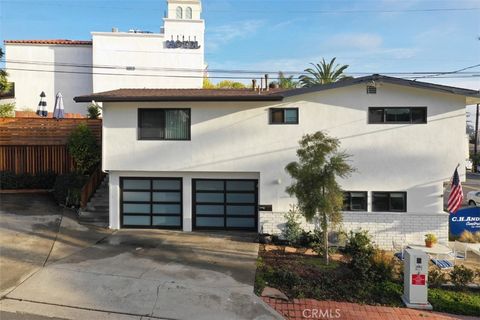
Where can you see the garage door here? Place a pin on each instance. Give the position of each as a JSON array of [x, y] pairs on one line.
[[225, 204], [151, 203]]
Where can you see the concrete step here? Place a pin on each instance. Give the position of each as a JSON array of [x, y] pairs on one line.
[[101, 224], [99, 202], [96, 212], [97, 208], [93, 216]]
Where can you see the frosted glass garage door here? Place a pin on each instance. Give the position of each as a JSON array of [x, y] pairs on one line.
[[151, 202], [225, 204]]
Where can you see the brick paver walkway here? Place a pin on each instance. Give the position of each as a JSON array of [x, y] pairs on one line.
[[313, 309]]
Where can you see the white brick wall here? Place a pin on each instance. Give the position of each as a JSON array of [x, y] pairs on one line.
[[383, 227]]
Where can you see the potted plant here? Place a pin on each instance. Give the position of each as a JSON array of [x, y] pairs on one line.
[[430, 240]]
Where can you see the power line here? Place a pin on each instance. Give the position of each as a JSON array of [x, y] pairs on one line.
[[329, 11], [228, 71], [454, 72], [213, 77]]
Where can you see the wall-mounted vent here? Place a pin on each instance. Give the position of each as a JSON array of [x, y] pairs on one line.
[[371, 89]]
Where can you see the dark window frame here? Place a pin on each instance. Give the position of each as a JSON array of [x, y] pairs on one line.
[[270, 116], [389, 201], [139, 120], [365, 202], [151, 202], [371, 89], [224, 203], [384, 120]]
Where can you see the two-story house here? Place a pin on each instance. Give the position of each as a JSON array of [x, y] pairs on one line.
[[196, 159]]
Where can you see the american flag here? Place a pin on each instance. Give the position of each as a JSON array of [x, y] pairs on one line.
[[456, 194]]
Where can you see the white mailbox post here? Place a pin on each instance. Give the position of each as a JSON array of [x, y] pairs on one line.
[[415, 288]]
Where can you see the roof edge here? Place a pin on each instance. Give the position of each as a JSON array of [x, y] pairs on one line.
[[90, 98], [392, 80]]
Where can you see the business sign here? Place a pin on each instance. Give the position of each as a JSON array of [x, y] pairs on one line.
[[467, 219], [182, 44], [418, 279]]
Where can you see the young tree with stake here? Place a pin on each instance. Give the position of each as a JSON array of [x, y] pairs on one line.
[[314, 185]]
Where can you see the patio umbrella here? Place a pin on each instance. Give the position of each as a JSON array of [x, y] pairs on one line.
[[42, 106], [59, 111]]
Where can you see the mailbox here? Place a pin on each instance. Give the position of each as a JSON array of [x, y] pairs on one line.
[[415, 286]]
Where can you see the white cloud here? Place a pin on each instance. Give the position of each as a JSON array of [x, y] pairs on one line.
[[223, 34], [359, 41]]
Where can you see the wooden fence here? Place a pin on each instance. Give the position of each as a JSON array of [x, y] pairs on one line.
[[36, 159], [33, 145], [42, 131], [91, 186]]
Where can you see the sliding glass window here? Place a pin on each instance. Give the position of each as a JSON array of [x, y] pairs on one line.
[[164, 124], [413, 115]]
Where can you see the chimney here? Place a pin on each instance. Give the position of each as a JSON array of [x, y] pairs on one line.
[[254, 84], [266, 82], [261, 84]]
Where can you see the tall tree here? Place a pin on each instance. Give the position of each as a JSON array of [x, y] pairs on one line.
[[228, 84], [314, 184], [286, 82], [323, 73], [5, 86]]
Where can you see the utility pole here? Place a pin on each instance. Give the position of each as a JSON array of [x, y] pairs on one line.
[[475, 148]]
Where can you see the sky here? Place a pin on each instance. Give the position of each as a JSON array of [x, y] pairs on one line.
[[371, 36]]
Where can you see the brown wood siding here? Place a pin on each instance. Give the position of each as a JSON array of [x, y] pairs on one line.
[[33, 145]]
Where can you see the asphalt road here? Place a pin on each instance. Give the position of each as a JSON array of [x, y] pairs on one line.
[[471, 184]]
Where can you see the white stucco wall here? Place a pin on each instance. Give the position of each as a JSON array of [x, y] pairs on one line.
[[236, 137], [156, 66], [44, 70]]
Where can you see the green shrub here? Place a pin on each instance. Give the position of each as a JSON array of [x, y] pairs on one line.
[[360, 249], [386, 293], [93, 111], [461, 276], [282, 278], [436, 278], [67, 189], [83, 147], [452, 301], [10, 180], [469, 237], [383, 266], [7, 110], [293, 230]]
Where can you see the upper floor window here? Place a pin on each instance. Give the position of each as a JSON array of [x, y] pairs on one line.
[[188, 13], [355, 201], [164, 124], [397, 115], [371, 89], [389, 201], [179, 13], [284, 116]]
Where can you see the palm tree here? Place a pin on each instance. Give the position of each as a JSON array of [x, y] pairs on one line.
[[323, 73], [5, 86], [286, 82]]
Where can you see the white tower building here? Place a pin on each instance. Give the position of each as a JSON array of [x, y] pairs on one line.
[[152, 60], [112, 60]]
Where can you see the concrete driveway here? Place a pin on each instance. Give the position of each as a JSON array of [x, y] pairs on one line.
[[133, 274]]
